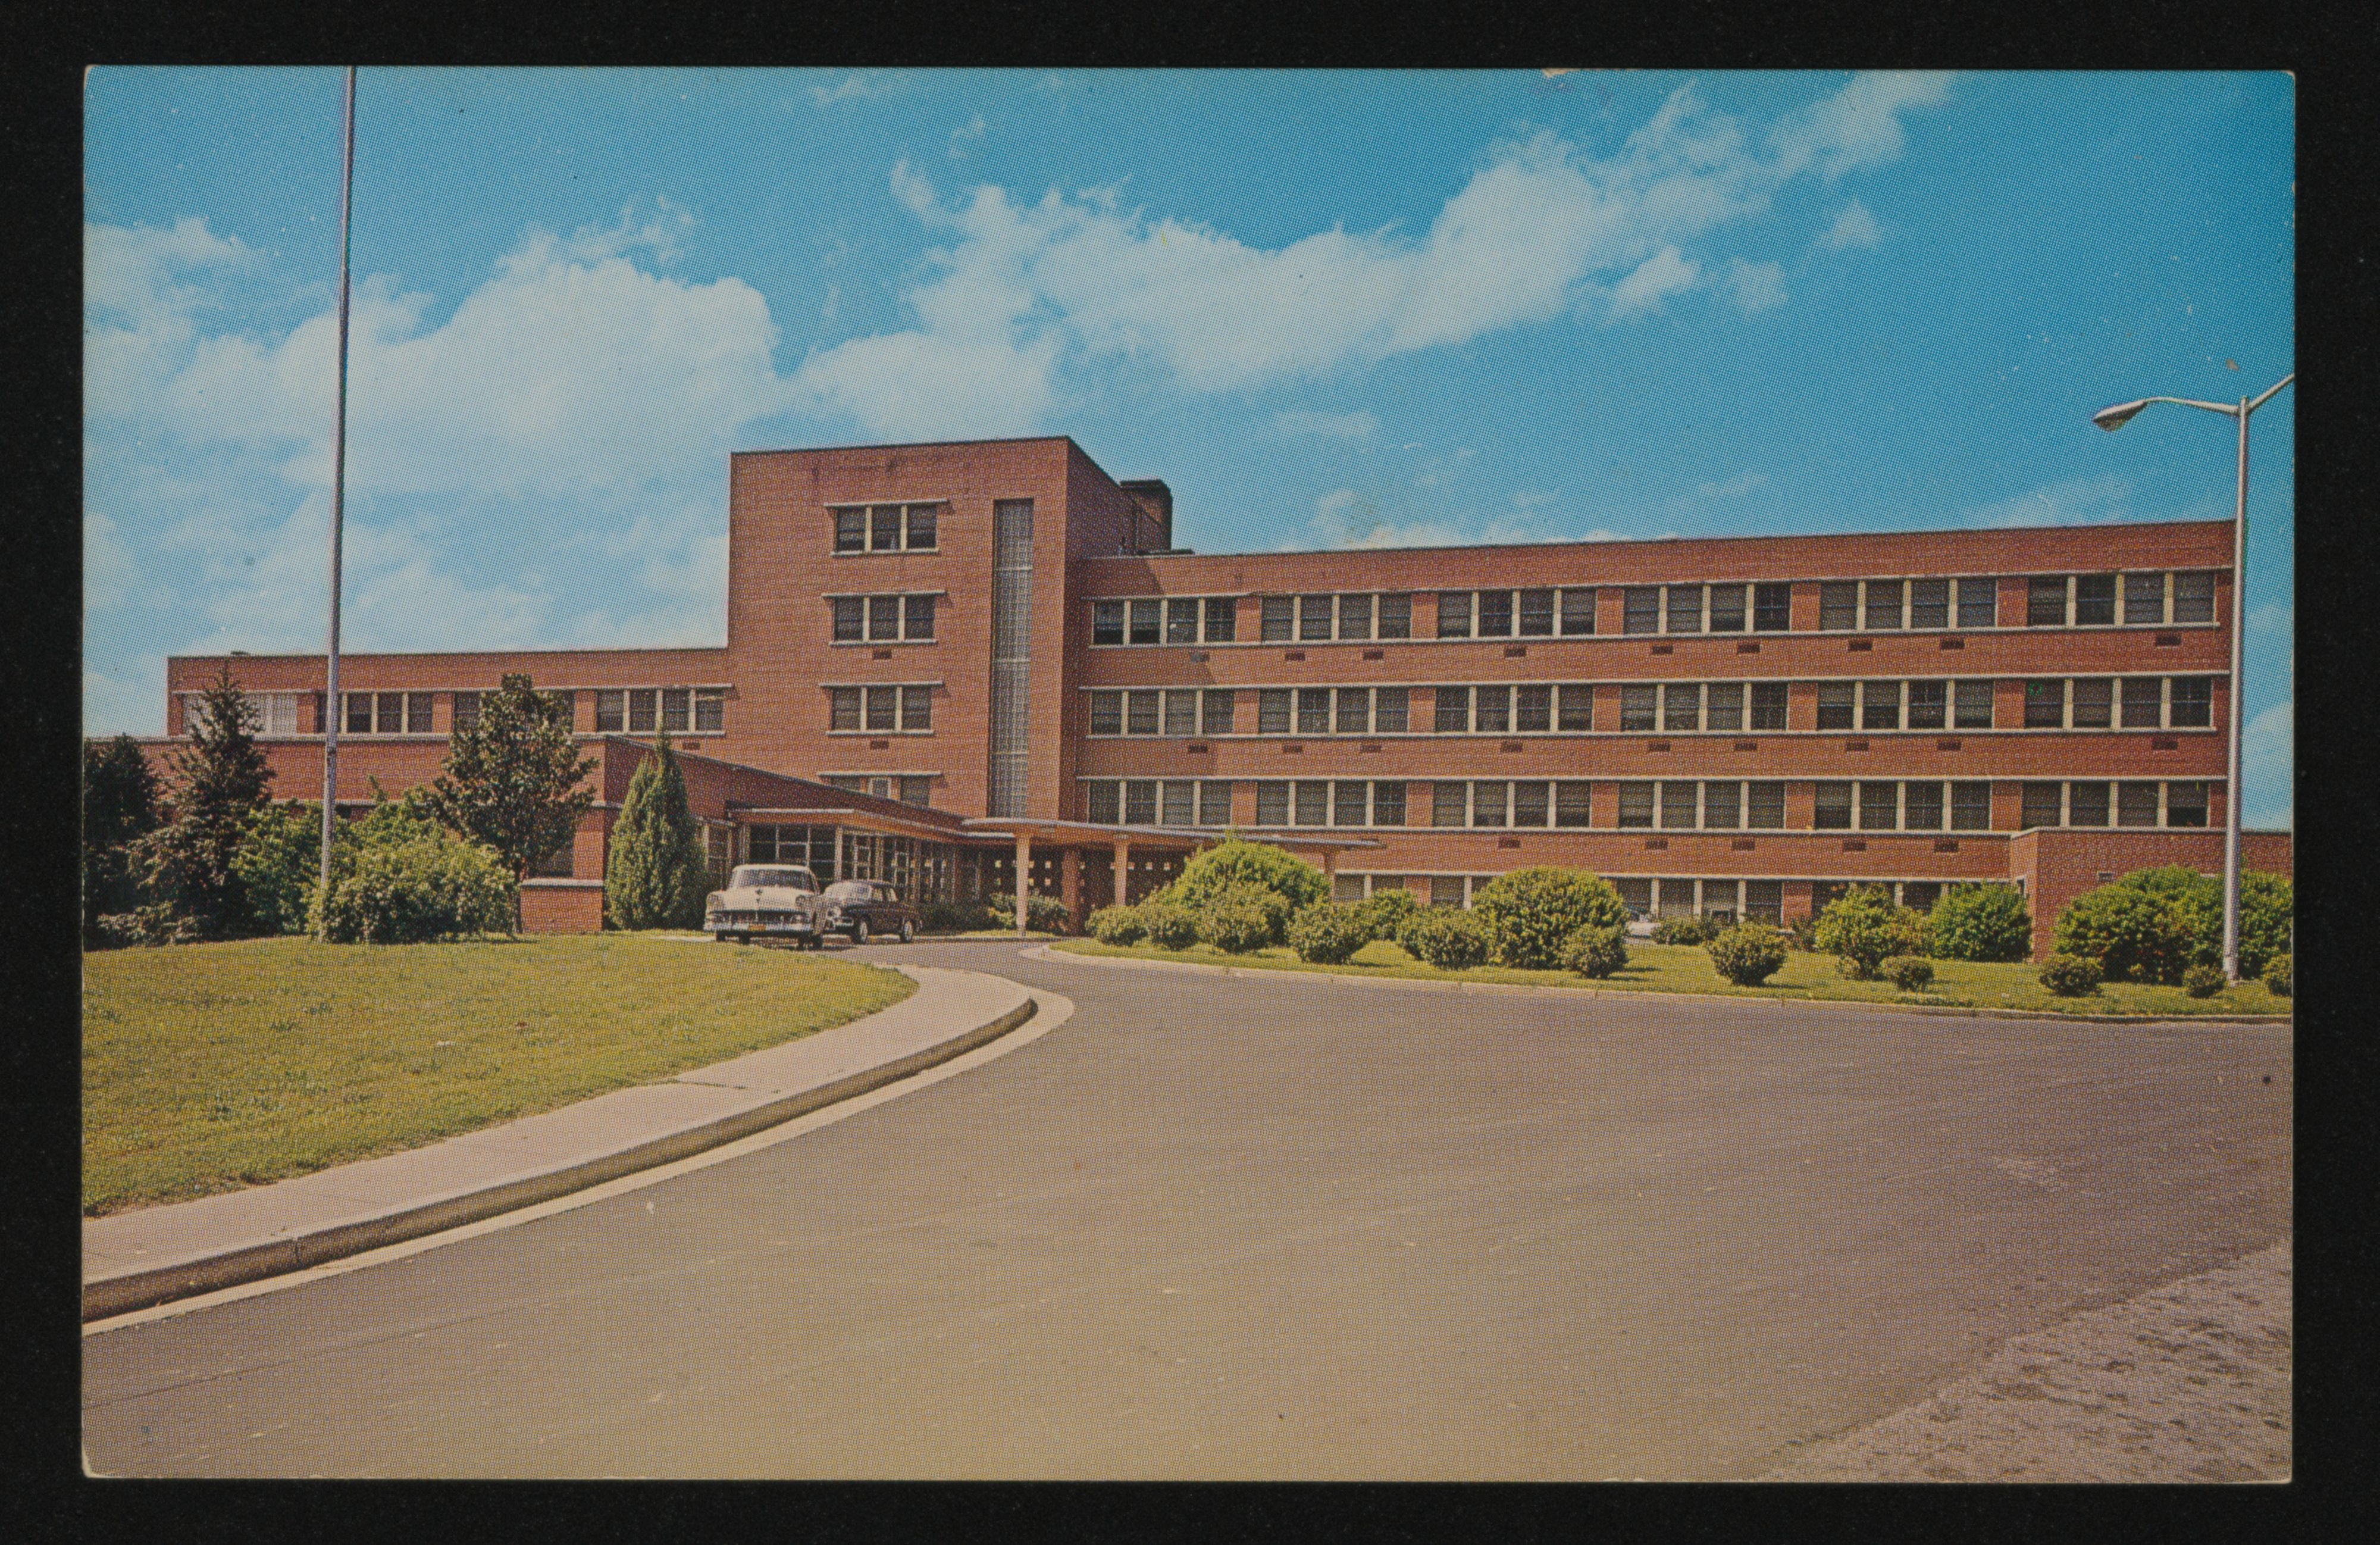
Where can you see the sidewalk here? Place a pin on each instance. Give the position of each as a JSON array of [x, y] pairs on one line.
[[134, 1259]]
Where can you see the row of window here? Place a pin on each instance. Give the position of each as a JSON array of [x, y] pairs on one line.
[[1154, 802], [1722, 901], [1679, 707], [2095, 803], [670, 709], [2090, 600], [1180, 619], [883, 619], [879, 710], [908, 788], [632, 710], [887, 528]]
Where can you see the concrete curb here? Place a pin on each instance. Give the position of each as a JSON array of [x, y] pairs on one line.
[[1533, 990], [230, 1265]]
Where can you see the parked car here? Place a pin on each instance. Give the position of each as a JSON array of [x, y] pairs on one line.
[[768, 901], [864, 910]]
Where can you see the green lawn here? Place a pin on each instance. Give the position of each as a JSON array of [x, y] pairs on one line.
[[1687, 969], [207, 1068]]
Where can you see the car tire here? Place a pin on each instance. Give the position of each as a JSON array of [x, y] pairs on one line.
[[908, 931], [859, 932]]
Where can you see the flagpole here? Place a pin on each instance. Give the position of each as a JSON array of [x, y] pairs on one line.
[[331, 706]]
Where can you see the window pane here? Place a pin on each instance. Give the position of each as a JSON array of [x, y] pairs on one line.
[[1685, 608], [1839, 604], [2044, 600], [1355, 616], [883, 617], [2145, 598], [1726, 610], [1763, 901], [1389, 706], [2095, 600], [1275, 618], [1313, 618], [1720, 805], [1106, 622], [1571, 802], [2086, 804], [1388, 803], [1272, 710], [466, 710], [1929, 704], [1978, 603], [916, 791], [2095, 703], [2136, 803], [884, 527], [1495, 613], [1929, 604], [1638, 707], [1182, 711], [1772, 608], [1221, 617], [417, 713], [1971, 807], [2185, 803], [1533, 710], [1272, 803], [1313, 803], [1573, 706], [1682, 706], [1640, 609], [842, 708], [391, 713], [1107, 714], [918, 616], [1884, 603], [1140, 712], [1921, 807], [1348, 802], [1215, 802], [1767, 705], [850, 618], [1723, 706], [1879, 806], [2143, 701], [1636, 893], [678, 709], [2045, 705], [644, 707], [1635, 804], [1488, 798], [1314, 710], [1833, 806], [1972, 706], [1764, 806], [611, 711], [1529, 804], [2043, 806], [1454, 711], [922, 524], [1536, 614], [850, 531], [1835, 704], [1215, 706], [1140, 802], [883, 708], [1105, 807], [1454, 614], [359, 713], [1493, 714], [1578, 611], [1144, 621], [2193, 598], [1352, 710], [1879, 705], [1180, 806], [2193, 702], [1395, 616]]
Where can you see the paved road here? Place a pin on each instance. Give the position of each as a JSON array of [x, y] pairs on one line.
[[1254, 1228]]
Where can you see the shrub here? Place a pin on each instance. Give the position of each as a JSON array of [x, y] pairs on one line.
[[1802, 933], [2134, 933], [1042, 914], [1688, 929], [954, 917], [1980, 922], [1328, 934], [279, 862], [2201, 981], [1530, 912], [2277, 974], [431, 886], [1862, 928], [121, 803], [1596, 952], [1237, 862], [2070, 976], [1115, 925], [654, 875], [1907, 973], [115, 931], [1748, 953], [1168, 927], [2266, 907], [1385, 911], [1448, 937], [1241, 917]]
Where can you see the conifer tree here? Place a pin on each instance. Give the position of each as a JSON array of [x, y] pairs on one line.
[[222, 781], [655, 878], [121, 803], [511, 780]]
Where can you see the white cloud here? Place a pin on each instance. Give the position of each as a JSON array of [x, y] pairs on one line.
[[1757, 285], [1854, 227], [2076, 501], [2273, 616], [1735, 487], [971, 131], [108, 572], [1859, 126], [1298, 421], [2266, 755], [1660, 276], [854, 87]]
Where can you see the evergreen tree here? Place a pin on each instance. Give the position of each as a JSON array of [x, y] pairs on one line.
[[655, 876], [221, 781], [120, 805], [511, 780]]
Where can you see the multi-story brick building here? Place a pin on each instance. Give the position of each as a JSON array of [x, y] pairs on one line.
[[940, 658]]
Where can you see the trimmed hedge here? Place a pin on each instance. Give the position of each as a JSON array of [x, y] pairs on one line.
[[1329, 934], [1980, 922], [1531, 913], [1241, 917], [1385, 911], [1447, 938], [1238, 862], [1167, 926], [1907, 973], [1596, 952], [1117, 925], [2203, 982], [2134, 933], [2070, 976], [1688, 929], [1748, 953]]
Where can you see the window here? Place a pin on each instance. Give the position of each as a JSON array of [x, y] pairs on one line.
[[1640, 609], [1635, 894], [556, 865], [1879, 705], [1453, 716], [1722, 805], [1685, 608], [678, 709], [850, 621], [2185, 803], [1181, 713], [1635, 804], [1883, 603], [2044, 805], [882, 705], [1979, 602], [1834, 808], [1835, 704], [1574, 708], [1536, 614], [1577, 611], [1352, 710], [1682, 706], [2086, 804], [1107, 714], [2136, 803], [1102, 806], [1727, 608], [1487, 802], [922, 535], [1356, 616], [1272, 710], [1929, 705], [842, 708], [1388, 803], [1929, 604], [2145, 598], [884, 618], [1389, 705], [1764, 806], [1450, 804], [1571, 802], [916, 791], [2095, 600], [1971, 807], [709, 709], [1314, 710], [1146, 621], [1495, 613], [1493, 712], [1454, 614], [1763, 901], [367, 712], [886, 528], [851, 530], [1313, 618], [1221, 616], [1178, 802], [1678, 803], [1921, 807], [1395, 617], [1272, 803], [1838, 604], [1772, 608], [1215, 707], [1214, 802], [2193, 598], [1638, 707], [1880, 807], [2044, 600], [1140, 802], [1140, 712], [917, 618], [1529, 804], [1106, 622], [1972, 706], [1275, 618], [466, 711], [1533, 710], [2192, 704], [1182, 620], [2095, 703], [1767, 705], [2142, 702], [2045, 705]]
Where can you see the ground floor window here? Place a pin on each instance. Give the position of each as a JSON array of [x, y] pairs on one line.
[[814, 847]]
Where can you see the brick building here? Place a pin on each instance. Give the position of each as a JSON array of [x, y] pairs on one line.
[[945, 658]]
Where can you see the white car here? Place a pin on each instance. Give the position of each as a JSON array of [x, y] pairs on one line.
[[765, 901]]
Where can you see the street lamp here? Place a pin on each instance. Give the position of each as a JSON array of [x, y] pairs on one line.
[[2116, 417]]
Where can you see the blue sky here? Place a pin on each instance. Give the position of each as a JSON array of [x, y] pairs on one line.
[[1328, 309]]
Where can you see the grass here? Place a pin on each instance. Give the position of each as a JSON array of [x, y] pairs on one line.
[[1687, 969], [208, 1068]]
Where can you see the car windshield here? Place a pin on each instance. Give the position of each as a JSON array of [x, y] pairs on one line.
[[847, 890], [751, 875]]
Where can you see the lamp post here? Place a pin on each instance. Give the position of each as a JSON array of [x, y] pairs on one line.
[[2116, 417], [331, 706]]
